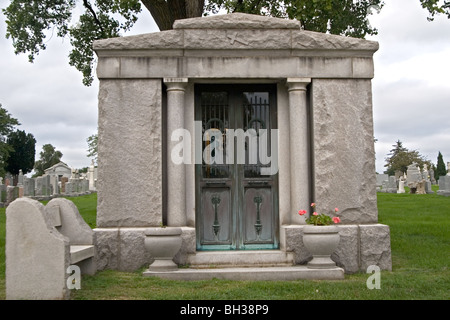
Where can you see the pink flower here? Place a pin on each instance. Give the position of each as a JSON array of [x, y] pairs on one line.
[[313, 204], [302, 212], [336, 209], [336, 220], [315, 213]]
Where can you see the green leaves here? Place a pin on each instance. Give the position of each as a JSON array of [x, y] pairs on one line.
[[343, 17], [99, 22], [435, 7], [22, 154], [400, 158], [7, 124], [49, 156], [319, 220], [29, 22]]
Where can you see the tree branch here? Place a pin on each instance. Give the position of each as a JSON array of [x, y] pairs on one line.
[[94, 15]]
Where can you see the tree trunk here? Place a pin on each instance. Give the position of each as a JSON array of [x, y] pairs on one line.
[[166, 12]]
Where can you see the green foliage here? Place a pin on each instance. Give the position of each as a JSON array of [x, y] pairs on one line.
[[99, 23], [29, 21], [92, 146], [343, 17], [7, 124], [49, 156], [435, 7], [319, 220], [400, 158], [22, 152], [440, 167]]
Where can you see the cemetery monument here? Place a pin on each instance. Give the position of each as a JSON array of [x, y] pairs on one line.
[[162, 97]]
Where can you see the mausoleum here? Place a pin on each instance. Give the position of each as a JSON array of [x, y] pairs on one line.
[[227, 126]]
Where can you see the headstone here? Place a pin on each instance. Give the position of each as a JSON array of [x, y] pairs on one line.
[[68, 188], [413, 174], [28, 187], [46, 186], [54, 184], [380, 178], [20, 179], [444, 186], [401, 186], [391, 186], [12, 193], [428, 187], [38, 186], [420, 187], [91, 176], [64, 180], [2, 193], [432, 178], [425, 172]]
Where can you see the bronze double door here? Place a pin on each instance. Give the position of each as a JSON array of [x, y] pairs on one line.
[[236, 200]]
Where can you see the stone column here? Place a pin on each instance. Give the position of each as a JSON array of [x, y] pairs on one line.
[[176, 173], [299, 148]]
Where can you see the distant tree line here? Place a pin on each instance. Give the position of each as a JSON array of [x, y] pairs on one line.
[[18, 149], [400, 157]]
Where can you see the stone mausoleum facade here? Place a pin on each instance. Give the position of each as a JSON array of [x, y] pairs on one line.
[[310, 91]]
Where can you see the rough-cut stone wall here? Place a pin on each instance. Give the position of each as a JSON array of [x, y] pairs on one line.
[[343, 149], [129, 155]]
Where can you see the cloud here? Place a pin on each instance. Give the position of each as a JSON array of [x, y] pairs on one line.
[[411, 90], [49, 99]]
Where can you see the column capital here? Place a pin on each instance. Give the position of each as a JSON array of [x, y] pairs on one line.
[[176, 84], [297, 83]]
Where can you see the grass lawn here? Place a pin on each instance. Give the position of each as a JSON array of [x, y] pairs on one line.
[[420, 241]]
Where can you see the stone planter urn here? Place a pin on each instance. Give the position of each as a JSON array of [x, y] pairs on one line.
[[163, 244], [321, 242]]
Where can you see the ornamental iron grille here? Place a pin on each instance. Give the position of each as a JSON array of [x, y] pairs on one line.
[[236, 205]]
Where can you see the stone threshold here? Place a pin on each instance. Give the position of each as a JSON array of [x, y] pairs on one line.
[[240, 258], [287, 273]]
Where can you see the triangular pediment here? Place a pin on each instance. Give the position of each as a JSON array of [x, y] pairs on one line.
[[236, 31], [236, 20]]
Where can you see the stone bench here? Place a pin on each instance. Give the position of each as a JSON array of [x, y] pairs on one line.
[[41, 243]]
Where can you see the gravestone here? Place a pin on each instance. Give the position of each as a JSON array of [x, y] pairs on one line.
[[413, 174], [444, 186], [29, 187], [64, 180], [2, 194], [20, 178], [401, 186], [420, 187], [380, 179]]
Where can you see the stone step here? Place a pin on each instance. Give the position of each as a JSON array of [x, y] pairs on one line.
[[287, 273], [242, 258]]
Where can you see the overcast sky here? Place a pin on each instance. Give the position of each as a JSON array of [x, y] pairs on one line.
[[411, 88]]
